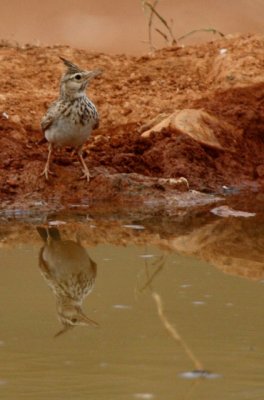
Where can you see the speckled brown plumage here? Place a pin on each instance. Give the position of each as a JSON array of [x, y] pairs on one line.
[[70, 120]]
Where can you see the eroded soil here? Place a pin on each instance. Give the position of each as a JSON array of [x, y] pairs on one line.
[[234, 245], [223, 78]]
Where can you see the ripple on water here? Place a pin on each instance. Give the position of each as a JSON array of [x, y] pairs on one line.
[[144, 396], [199, 374]]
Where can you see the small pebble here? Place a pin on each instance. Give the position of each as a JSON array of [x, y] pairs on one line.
[[222, 51], [56, 223], [136, 227], [5, 115]]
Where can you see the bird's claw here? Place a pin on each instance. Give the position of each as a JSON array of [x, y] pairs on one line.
[[86, 175], [46, 172]]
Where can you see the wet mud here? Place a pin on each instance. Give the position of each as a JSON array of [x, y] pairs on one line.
[[232, 241]]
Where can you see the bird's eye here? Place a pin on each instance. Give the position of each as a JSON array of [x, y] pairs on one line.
[[74, 320], [77, 77]]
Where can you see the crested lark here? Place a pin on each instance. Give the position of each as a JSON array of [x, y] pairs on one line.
[[70, 273], [70, 120]]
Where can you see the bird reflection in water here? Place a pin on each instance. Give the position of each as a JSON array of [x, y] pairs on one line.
[[70, 273]]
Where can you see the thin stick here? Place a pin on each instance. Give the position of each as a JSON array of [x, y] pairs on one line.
[[174, 334]]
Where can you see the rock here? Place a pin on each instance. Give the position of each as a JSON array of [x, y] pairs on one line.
[[260, 170], [197, 124]]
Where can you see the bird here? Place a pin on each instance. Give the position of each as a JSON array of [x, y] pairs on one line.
[[71, 118], [70, 273]]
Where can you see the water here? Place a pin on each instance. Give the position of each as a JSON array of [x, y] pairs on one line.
[[178, 303]]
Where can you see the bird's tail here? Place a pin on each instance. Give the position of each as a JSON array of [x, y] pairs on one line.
[[48, 232]]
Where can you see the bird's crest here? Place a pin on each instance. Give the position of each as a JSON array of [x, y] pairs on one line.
[[72, 68]]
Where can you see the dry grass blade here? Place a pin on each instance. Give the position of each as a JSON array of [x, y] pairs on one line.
[[162, 34], [160, 265], [150, 21], [210, 30], [162, 20], [169, 38], [153, 11]]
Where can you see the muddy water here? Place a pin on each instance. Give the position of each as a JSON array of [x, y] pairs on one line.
[[155, 315], [110, 26]]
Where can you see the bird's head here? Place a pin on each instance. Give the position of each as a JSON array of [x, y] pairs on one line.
[[75, 81], [70, 315]]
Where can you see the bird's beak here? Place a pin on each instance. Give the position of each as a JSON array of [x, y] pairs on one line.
[[87, 321], [92, 74]]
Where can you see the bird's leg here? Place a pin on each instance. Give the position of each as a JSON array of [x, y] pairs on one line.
[[46, 170], [86, 174]]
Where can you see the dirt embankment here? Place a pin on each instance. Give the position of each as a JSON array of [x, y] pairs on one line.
[[222, 143], [234, 245]]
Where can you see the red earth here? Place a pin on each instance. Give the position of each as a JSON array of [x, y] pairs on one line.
[[223, 79]]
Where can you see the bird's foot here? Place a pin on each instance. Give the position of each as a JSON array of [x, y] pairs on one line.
[[86, 175], [46, 172], [85, 170]]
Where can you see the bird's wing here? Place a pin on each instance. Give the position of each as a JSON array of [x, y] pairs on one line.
[[49, 117], [96, 124]]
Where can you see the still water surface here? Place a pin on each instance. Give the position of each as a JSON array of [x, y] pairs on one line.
[[150, 317]]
